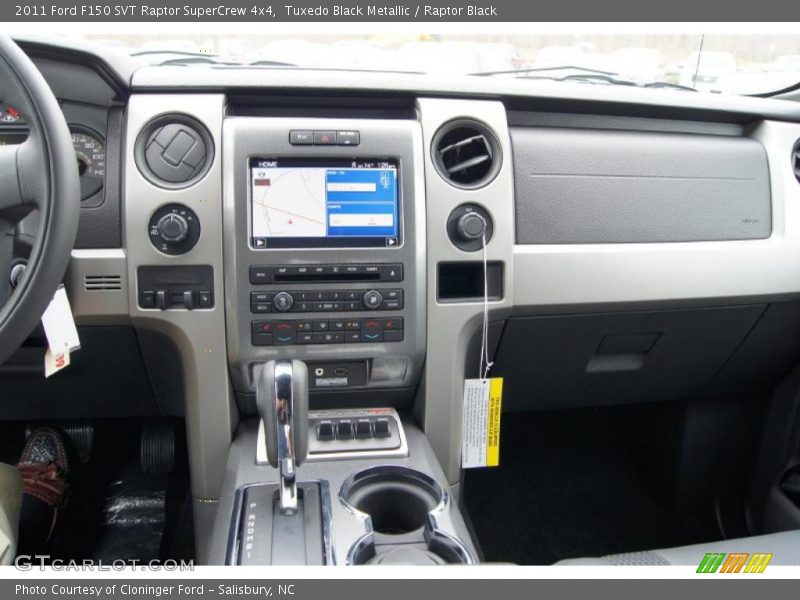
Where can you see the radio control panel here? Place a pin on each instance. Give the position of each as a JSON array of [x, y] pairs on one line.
[[326, 301]]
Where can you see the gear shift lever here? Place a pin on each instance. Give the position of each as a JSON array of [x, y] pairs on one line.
[[282, 401]]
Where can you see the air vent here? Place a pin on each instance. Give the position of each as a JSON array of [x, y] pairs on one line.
[[796, 160], [102, 283], [174, 151], [466, 153]]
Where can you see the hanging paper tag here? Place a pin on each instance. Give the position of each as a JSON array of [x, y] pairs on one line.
[[53, 363], [62, 335], [480, 438]]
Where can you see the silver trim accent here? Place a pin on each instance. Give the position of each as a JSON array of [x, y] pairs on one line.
[[283, 399], [399, 452]]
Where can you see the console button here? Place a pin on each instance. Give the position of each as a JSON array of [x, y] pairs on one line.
[[371, 325], [261, 327], [392, 272], [352, 337], [303, 325], [260, 297], [260, 275], [393, 323], [325, 431], [305, 338], [393, 336], [283, 301], [283, 327], [189, 299], [336, 325], [392, 304], [372, 299], [147, 299], [393, 294], [261, 339], [380, 428], [260, 307], [284, 339], [301, 137], [320, 325], [344, 430], [352, 305], [352, 324], [325, 138], [363, 429], [348, 138], [205, 298], [372, 337], [161, 299], [303, 307]]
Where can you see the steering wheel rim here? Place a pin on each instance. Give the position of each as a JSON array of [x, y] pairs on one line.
[[37, 175]]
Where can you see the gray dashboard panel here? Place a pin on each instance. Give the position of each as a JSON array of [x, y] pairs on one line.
[[589, 186]]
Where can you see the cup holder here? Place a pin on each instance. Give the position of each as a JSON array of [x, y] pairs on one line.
[[395, 507], [402, 505]]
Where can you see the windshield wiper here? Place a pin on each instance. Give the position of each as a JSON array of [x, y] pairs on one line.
[[270, 63], [544, 70], [584, 74], [175, 52]]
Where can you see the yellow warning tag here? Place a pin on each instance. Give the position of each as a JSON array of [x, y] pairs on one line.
[[480, 439]]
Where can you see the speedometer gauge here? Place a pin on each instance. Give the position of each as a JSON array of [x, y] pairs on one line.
[[90, 151]]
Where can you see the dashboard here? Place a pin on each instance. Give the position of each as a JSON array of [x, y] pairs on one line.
[[248, 214]]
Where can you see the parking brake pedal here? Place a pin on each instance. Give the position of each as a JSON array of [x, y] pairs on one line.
[[157, 447]]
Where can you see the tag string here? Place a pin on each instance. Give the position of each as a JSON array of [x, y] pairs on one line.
[[484, 364]]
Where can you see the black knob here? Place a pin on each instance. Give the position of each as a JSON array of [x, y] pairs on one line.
[[372, 299], [173, 228], [471, 226], [283, 301]]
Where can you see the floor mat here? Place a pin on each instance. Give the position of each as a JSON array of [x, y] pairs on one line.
[[114, 510], [568, 486]]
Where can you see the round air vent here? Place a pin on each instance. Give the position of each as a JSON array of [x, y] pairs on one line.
[[796, 160], [174, 151], [466, 153]]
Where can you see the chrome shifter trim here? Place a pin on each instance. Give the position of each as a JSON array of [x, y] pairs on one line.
[[284, 421]]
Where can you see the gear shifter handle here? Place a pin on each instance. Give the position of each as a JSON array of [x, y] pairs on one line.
[[282, 401]]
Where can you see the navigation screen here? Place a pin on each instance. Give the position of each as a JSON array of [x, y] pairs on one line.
[[302, 203]]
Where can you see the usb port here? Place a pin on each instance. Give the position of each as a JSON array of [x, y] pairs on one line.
[[340, 371]]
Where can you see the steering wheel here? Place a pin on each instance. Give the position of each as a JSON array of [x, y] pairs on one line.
[[37, 175]]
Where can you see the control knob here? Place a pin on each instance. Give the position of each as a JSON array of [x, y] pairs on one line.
[[172, 228], [372, 299], [471, 226], [283, 301]]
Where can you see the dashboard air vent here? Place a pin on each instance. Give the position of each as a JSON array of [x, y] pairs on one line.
[[796, 160], [466, 153], [102, 283], [174, 151]]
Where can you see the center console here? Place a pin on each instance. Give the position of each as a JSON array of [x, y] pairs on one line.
[[325, 254], [325, 275]]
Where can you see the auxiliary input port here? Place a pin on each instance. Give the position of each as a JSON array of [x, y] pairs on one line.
[[319, 371]]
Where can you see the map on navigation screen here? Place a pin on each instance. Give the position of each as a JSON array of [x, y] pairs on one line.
[[335, 203], [289, 202]]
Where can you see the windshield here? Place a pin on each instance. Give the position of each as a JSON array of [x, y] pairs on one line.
[[726, 64]]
